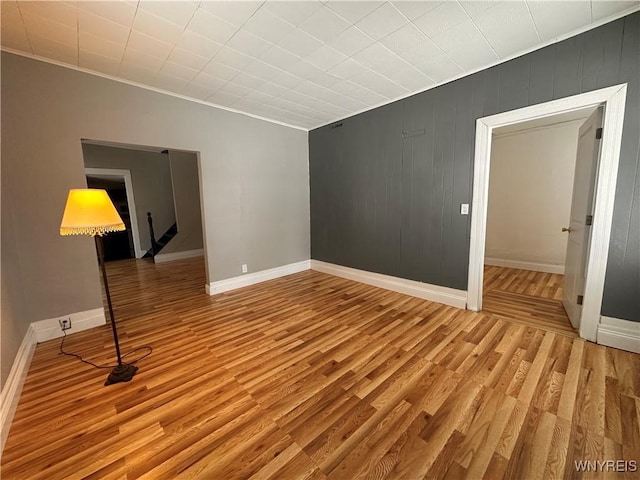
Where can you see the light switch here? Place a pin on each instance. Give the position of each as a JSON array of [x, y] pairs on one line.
[[464, 209]]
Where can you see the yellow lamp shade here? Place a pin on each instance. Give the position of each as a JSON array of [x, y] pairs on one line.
[[89, 211]]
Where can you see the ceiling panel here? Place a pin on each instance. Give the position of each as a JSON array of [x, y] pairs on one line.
[[299, 42], [441, 18], [268, 26], [198, 44], [45, 28], [279, 57], [152, 25], [210, 26], [302, 62], [553, 20], [103, 27], [248, 43], [324, 24], [294, 11], [351, 41], [61, 52], [508, 27], [604, 9], [188, 59], [116, 11], [179, 13], [353, 11], [326, 57], [382, 21], [101, 46], [236, 13], [56, 11]]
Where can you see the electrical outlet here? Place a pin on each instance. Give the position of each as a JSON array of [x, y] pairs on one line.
[[65, 323], [244, 268]]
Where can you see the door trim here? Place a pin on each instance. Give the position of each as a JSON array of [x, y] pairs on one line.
[[128, 185], [613, 99]]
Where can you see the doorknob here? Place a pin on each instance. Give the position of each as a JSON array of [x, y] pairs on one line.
[[565, 229]]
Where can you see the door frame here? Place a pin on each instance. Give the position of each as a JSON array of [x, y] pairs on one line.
[[613, 100], [128, 185]]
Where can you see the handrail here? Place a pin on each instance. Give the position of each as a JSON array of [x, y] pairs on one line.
[[154, 244]]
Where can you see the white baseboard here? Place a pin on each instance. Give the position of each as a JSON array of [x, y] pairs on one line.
[[426, 291], [37, 332], [167, 257], [536, 267], [13, 386], [252, 278], [622, 334], [50, 328]]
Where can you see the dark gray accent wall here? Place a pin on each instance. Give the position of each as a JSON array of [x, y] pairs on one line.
[[387, 184]]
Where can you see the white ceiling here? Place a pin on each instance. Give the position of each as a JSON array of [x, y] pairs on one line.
[[302, 63]]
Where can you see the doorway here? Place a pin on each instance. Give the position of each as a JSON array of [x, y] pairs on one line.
[[117, 245], [531, 182], [613, 100], [123, 198]]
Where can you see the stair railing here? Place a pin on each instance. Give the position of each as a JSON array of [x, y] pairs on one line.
[[154, 244]]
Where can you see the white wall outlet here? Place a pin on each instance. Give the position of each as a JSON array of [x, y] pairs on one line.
[[244, 268], [65, 323], [464, 209]]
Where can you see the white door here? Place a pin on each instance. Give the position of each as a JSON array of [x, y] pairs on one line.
[[579, 229]]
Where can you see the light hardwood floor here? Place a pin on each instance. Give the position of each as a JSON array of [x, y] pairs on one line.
[[313, 376], [527, 297]]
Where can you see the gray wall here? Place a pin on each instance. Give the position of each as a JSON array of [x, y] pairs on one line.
[[152, 186], [387, 185], [13, 304], [254, 178], [186, 192]]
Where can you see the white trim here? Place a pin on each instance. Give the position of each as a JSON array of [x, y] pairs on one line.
[[618, 333], [50, 328], [426, 291], [128, 185], [550, 126], [146, 87], [12, 388], [252, 278], [536, 267], [39, 331], [613, 98], [168, 257]]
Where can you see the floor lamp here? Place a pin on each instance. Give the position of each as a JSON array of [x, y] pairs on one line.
[[90, 212]]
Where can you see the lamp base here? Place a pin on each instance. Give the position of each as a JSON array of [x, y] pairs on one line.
[[122, 373]]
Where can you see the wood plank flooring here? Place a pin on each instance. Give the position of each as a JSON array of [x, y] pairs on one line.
[[316, 377], [527, 297]]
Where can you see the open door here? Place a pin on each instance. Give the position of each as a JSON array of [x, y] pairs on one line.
[[581, 218]]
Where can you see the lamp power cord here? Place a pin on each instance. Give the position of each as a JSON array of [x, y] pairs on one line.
[[143, 347]]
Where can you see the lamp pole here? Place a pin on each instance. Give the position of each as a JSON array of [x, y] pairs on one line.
[[123, 372], [100, 248]]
